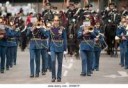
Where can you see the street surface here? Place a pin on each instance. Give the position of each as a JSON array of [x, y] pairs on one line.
[[110, 72]]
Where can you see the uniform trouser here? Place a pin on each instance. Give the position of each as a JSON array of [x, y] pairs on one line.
[[11, 55], [35, 61], [44, 54], [59, 56], [2, 56], [15, 54], [71, 49], [96, 59], [86, 57], [92, 60], [122, 55], [126, 58], [49, 62]]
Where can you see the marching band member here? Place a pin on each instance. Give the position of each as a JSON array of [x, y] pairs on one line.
[[11, 46], [3, 42], [47, 14], [126, 55], [35, 33], [124, 11], [121, 35], [97, 46], [57, 45], [44, 49], [120, 31], [86, 47]]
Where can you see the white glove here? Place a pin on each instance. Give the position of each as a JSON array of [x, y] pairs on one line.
[[49, 53], [65, 52], [117, 38]]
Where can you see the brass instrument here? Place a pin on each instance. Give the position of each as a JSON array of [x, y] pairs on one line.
[[36, 25], [2, 31], [89, 28], [49, 25]]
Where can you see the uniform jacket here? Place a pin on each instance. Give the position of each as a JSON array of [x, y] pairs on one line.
[[57, 41], [86, 41], [35, 38]]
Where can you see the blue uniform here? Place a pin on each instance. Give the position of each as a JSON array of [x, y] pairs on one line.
[[3, 47], [97, 49], [57, 45], [44, 52], [123, 47], [86, 50], [11, 48], [35, 49]]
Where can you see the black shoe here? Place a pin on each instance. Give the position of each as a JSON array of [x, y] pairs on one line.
[[88, 74], [53, 80], [91, 72], [43, 73], [2, 71], [11, 66], [83, 74], [31, 76], [97, 69], [37, 75], [14, 63], [58, 80]]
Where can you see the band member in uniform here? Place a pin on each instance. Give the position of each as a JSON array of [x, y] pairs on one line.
[[122, 36], [35, 33], [71, 34], [3, 44], [47, 14], [124, 11], [97, 46], [113, 20], [44, 45], [126, 33], [11, 45], [3, 41], [86, 38], [58, 45]]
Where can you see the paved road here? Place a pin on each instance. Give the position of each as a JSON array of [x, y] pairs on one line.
[[110, 72]]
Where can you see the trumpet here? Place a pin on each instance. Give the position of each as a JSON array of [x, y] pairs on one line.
[[2, 31], [89, 28], [37, 25]]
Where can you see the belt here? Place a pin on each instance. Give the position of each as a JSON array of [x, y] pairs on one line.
[[44, 39], [87, 40], [10, 39], [57, 40], [36, 39]]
